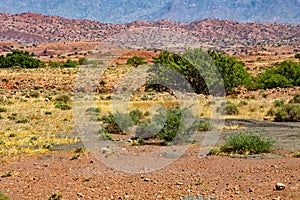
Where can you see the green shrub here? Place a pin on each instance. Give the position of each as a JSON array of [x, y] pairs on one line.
[[63, 98], [170, 120], [136, 115], [205, 126], [62, 106], [213, 152], [3, 109], [278, 103], [296, 99], [3, 197], [34, 94], [113, 122], [271, 112], [47, 145], [13, 134], [243, 103], [228, 108], [288, 113], [93, 110], [247, 143], [136, 61], [23, 120], [69, 64], [55, 196], [54, 64]]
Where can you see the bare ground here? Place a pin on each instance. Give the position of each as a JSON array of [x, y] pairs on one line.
[[216, 177]]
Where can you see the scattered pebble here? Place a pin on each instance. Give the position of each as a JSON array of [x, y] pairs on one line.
[[280, 186]]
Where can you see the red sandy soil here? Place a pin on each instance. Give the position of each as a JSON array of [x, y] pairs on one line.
[[217, 177]]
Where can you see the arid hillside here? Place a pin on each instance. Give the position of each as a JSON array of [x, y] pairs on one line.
[[35, 28]]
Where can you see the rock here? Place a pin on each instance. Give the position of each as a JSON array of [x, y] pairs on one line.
[[105, 150], [179, 183], [277, 198], [280, 186]]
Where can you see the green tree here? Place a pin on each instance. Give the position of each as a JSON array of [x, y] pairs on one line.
[[21, 59], [297, 55], [202, 68]]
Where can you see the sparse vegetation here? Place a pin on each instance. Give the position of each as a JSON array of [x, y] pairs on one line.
[[289, 112], [55, 196], [136, 61], [69, 64], [3, 197], [62, 106], [63, 98], [228, 108], [205, 126]]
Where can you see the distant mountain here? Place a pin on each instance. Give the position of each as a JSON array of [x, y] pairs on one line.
[[123, 11], [36, 28]]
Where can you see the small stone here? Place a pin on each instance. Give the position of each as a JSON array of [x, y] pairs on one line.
[[277, 198], [179, 183], [147, 179], [79, 194], [280, 186]]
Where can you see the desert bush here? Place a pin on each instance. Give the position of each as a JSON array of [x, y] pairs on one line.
[[23, 120], [136, 115], [243, 103], [62, 106], [247, 143], [55, 196], [136, 61], [278, 103], [3, 197], [213, 152], [115, 121], [63, 98], [296, 99], [54, 64], [228, 108], [93, 109], [34, 94], [170, 120], [69, 64], [3, 109], [288, 113], [205, 126]]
